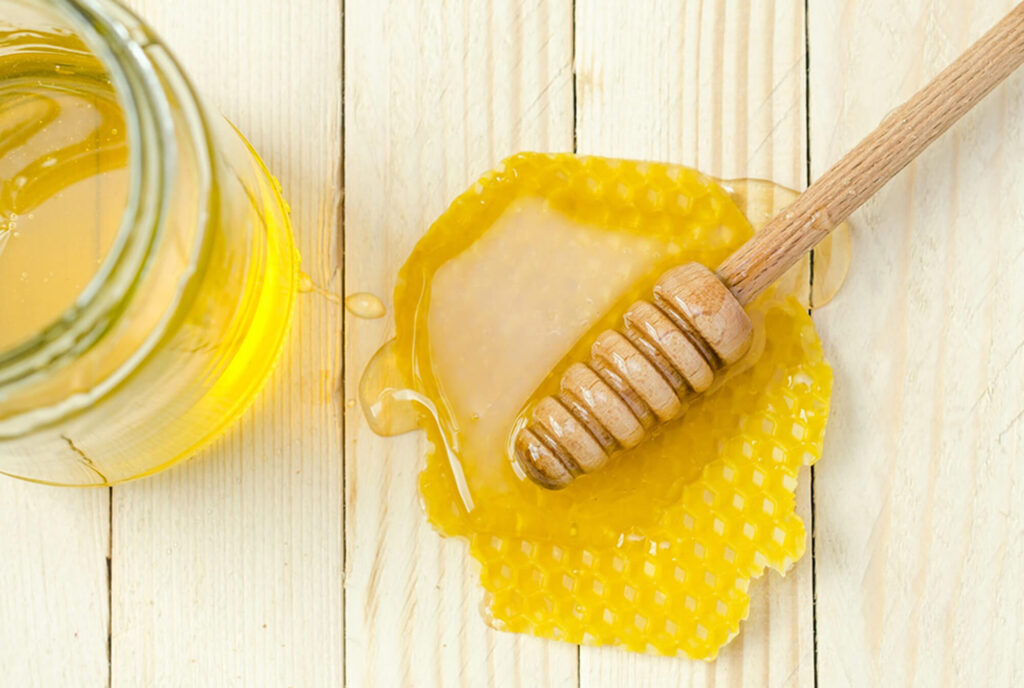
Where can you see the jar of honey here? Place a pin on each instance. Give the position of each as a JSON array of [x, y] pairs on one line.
[[147, 271]]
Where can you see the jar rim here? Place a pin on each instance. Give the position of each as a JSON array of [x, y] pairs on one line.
[[119, 40]]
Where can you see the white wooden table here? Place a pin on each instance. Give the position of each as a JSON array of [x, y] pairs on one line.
[[294, 552]]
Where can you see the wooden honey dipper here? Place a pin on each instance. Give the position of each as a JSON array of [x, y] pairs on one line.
[[670, 348]]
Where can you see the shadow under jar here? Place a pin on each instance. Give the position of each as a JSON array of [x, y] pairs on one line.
[[147, 272]]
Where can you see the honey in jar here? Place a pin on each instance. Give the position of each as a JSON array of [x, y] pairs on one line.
[[147, 271]]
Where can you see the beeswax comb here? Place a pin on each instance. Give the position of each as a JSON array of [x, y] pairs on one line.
[[671, 348]]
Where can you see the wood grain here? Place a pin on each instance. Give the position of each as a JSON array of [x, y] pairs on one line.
[[717, 86], [53, 585], [435, 94], [228, 569], [907, 130], [560, 444], [919, 515]]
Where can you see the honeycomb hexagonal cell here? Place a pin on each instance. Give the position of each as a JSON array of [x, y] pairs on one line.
[[654, 553]]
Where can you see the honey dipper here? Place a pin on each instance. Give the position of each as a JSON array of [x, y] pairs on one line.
[[670, 348]]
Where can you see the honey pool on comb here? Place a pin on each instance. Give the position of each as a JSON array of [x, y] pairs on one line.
[[506, 289]]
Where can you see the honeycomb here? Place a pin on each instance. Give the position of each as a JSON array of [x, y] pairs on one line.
[[654, 553]]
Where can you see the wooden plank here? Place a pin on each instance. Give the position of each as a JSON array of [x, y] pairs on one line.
[[719, 87], [919, 503], [435, 94], [53, 603], [228, 569]]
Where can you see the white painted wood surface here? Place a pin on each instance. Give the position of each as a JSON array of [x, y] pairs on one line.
[[291, 555], [435, 94], [919, 519], [53, 585], [228, 570]]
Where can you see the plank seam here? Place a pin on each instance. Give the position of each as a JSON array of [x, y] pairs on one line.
[[575, 150], [810, 301], [572, 65], [344, 368], [110, 586]]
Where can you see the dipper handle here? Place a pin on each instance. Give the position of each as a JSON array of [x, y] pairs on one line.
[[670, 348], [901, 136]]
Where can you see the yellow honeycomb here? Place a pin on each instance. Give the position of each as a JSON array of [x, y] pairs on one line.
[[654, 553]]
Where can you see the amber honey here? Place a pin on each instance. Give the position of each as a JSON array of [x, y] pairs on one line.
[[63, 169], [147, 272], [508, 288]]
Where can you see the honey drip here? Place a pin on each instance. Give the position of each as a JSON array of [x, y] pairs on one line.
[[654, 552], [365, 305]]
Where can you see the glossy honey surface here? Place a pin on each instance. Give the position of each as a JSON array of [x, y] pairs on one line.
[[189, 339], [63, 176], [510, 286]]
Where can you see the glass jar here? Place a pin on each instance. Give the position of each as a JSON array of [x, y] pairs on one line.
[[147, 271]]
